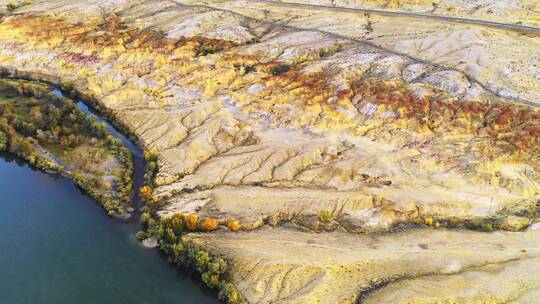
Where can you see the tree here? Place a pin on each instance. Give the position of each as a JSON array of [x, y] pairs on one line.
[[210, 224], [177, 223], [99, 128], [23, 127], [3, 141], [171, 236], [6, 109], [192, 221], [228, 294], [146, 193], [202, 260], [210, 279], [179, 252], [151, 168], [145, 218], [233, 225], [218, 266]]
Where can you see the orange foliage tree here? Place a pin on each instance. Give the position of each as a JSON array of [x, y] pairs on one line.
[[210, 224]]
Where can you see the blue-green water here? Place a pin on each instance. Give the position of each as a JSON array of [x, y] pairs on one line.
[[57, 246]]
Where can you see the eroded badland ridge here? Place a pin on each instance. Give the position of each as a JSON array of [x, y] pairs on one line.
[[293, 120]]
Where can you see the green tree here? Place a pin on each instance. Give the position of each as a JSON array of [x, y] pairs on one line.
[[3, 141], [99, 128]]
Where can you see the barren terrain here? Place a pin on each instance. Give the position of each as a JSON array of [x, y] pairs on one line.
[[357, 151]]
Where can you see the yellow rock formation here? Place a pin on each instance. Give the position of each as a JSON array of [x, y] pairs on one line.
[[309, 119]]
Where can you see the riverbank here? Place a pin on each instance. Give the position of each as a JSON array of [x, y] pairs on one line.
[[53, 134], [21, 99], [62, 249]]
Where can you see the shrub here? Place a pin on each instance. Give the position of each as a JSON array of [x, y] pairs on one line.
[[325, 216], [249, 68], [210, 224], [208, 49], [11, 6], [140, 235], [487, 227], [254, 40], [192, 221], [280, 69]]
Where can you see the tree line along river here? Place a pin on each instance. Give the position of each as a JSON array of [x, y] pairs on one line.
[[59, 247]]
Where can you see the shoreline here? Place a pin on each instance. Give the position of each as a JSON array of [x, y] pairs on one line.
[[84, 241], [189, 259]]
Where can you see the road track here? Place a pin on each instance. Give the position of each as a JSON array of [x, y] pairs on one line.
[[507, 26]]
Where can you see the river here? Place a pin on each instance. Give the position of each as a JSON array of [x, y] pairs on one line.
[[59, 247]]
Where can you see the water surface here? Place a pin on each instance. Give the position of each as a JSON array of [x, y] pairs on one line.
[[57, 246]]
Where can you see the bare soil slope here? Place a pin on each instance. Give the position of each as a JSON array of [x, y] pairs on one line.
[[324, 124]]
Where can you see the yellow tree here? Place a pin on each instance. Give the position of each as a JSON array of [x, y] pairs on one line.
[[146, 193]]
